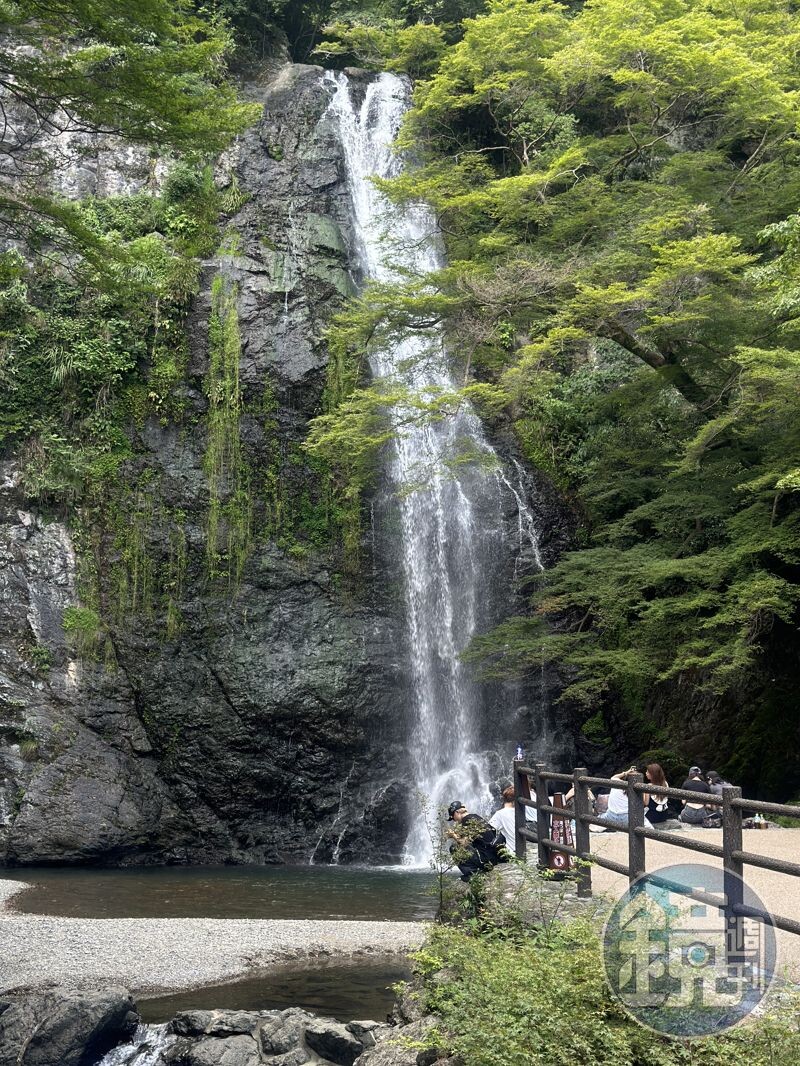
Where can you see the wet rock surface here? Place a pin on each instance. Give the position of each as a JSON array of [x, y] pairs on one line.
[[270, 728], [334, 1042], [78, 779], [294, 1037], [291, 1037], [61, 1027]]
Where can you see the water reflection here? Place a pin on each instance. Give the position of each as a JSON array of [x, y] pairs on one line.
[[227, 892], [345, 991]]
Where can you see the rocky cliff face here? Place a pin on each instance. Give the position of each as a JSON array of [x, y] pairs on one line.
[[264, 730], [264, 721], [77, 772]]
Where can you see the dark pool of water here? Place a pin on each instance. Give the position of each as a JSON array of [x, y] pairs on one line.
[[345, 991], [226, 892]]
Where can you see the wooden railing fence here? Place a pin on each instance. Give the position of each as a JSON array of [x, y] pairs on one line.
[[731, 851]]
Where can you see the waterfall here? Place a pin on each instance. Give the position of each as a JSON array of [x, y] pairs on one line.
[[451, 529], [146, 1048]]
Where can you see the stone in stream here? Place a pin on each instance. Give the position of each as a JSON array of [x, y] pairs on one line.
[[298, 1057], [238, 1050], [290, 1037], [60, 1027], [364, 1031], [333, 1041], [284, 1032], [214, 1022]]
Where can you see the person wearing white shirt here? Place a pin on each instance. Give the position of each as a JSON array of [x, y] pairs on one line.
[[617, 812], [504, 818]]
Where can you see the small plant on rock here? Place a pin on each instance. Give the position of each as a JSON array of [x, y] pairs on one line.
[[82, 626]]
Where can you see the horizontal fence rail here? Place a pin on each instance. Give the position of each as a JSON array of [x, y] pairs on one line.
[[576, 785]]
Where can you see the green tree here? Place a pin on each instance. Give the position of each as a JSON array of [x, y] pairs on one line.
[[616, 188], [150, 71]]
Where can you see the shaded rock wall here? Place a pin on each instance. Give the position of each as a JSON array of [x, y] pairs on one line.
[[268, 724]]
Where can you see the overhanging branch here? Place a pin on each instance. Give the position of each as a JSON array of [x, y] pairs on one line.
[[667, 366]]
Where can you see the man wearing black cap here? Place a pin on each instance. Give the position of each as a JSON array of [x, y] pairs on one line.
[[478, 847]]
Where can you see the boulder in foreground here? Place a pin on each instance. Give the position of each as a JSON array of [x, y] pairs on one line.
[[61, 1027]]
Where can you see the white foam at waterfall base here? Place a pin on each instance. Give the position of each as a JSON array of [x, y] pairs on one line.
[[443, 543], [145, 1049]]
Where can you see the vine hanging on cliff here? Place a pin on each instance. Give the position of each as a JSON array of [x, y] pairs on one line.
[[230, 508]]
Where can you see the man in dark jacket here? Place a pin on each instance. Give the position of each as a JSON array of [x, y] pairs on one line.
[[477, 846]]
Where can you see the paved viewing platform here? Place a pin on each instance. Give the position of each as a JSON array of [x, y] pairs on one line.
[[779, 893]]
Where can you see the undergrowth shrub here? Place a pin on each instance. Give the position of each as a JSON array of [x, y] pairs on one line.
[[508, 997]]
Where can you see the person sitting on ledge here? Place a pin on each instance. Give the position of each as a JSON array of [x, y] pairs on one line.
[[477, 847], [716, 782], [696, 813], [616, 816]]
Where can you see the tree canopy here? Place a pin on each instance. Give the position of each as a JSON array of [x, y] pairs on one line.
[[150, 71], [94, 293], [617, 186]]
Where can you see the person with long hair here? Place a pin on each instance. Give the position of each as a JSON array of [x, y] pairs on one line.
[[656, 805]]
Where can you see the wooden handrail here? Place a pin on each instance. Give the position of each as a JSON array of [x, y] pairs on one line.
[[731, 802]]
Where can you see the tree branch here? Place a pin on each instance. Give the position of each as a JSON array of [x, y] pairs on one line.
[[668, 366]]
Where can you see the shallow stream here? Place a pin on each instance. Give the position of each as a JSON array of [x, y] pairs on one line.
[[334, 989]]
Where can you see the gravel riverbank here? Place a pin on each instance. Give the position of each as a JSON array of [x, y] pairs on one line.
[[150, 955], [9, 889]]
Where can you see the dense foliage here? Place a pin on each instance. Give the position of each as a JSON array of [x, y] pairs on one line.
[[616, 186], [617, 191], [95, 292], [385, 34], [85, 349], [151, 71], [542, 997]]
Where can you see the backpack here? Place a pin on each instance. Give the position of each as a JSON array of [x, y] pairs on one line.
[[491, 845], [498, 847]]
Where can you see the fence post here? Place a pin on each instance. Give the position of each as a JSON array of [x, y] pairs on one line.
[[636, 843], [582, 839], [542, 819], [520, 812], [732, 873]]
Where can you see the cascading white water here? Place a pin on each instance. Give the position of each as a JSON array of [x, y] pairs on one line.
[[444, 545], [146, 1048]]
